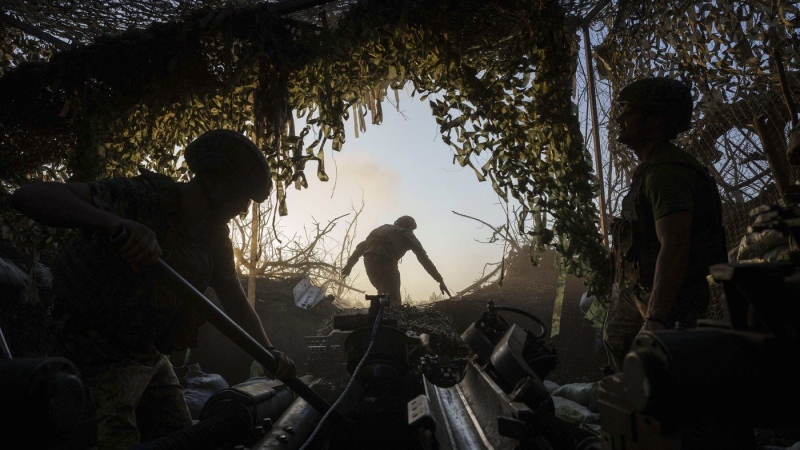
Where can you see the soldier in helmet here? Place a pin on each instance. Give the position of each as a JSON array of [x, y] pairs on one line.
[[118, 325], [670, 230], [382, 250]]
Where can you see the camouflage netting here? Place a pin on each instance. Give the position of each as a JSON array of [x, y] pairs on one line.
[[499, 75], [96, 88], [729, 52]]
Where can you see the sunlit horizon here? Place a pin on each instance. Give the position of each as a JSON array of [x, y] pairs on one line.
[[402, 167]]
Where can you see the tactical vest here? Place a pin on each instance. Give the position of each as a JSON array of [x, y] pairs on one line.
[[636, 244], [95, 285]]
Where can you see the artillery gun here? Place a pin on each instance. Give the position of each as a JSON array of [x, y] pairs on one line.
[[390, 390]]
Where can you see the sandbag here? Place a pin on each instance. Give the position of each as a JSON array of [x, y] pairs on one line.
[[577, 392], [12, 275], [551, 386], [198, 387], [574, 412]]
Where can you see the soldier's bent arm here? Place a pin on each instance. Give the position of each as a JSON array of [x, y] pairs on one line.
[[238, 308], [674, 233], [70, 205], [234, 302], [67, 205]]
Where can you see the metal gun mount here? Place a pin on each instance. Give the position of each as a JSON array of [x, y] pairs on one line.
[[406, 397], [708, 387], [43, 397]]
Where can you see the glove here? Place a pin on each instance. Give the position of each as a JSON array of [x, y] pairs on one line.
[[346, 271]]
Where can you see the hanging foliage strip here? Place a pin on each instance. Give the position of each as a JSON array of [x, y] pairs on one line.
[[724, 49], [499, 75], [500, 78]]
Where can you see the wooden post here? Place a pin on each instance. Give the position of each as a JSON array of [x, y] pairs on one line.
[[251, 272], [598, 161]]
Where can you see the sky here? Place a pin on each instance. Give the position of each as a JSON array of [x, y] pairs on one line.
[[402, 167]]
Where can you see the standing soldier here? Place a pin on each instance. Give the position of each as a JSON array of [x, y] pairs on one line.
[[671, 228], [382, 250]]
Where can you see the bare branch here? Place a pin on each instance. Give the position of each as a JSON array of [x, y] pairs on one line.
[[477, 285]]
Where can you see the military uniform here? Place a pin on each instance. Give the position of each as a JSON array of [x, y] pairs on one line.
[[671, 181], [118, 326], [382, 250]]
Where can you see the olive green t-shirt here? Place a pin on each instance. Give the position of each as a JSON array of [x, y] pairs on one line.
[[669, 187], [393, 242], [675, 181]]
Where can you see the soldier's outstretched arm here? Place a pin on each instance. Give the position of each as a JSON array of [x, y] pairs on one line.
[[353, 259], [428, 265], [69, 205], [444, 289]]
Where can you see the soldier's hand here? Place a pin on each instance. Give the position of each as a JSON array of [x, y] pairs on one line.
[[444, 289], [286, 368], [346, 272], [141, 247]]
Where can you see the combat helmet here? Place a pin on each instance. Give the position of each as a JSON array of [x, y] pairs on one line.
[[231, 156], [406, 222], [661, 95]]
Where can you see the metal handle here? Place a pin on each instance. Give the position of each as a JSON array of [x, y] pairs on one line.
[[229, 328]]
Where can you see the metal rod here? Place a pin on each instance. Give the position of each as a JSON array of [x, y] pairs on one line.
[[594, 12], [776, 159], [777, 59], [4, 347], [234, 332]]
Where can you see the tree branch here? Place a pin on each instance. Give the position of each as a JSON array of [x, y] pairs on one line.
[[33, 31]]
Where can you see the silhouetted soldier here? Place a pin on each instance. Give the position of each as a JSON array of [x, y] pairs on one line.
[[117, 325], [671, 229], [382, 250]]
